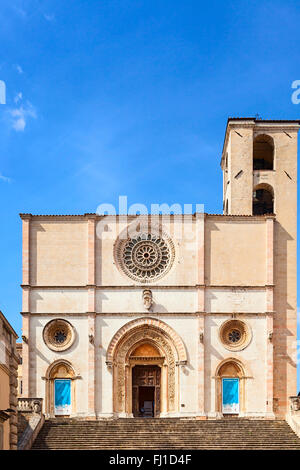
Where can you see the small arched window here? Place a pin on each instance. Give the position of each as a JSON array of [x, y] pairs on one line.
[[263, 153]]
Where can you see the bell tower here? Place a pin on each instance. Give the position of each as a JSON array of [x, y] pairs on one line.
[[259, 164]]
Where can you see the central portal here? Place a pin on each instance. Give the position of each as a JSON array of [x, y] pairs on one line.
[[144, 355], [146, 386]]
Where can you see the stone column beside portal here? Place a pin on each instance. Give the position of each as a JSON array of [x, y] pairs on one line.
[[107, 391], [91, 365]]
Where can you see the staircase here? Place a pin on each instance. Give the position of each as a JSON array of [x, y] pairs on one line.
[[165, 433]]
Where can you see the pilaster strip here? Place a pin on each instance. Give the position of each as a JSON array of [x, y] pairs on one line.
[[270, 250], [91, 364], [200, 340], [269, 263], [25, 252], [91, 251], [269, 308], [200, 220], [269, 368], [25, 355], [200, 227]]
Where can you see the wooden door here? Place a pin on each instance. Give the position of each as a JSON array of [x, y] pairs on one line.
[[145, 376]]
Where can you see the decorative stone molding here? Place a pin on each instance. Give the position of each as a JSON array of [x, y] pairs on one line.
[[29, 414], [235, 335], [146, 322], [91, 339], [160, 341], [270, 336], [146, 256], [3, 416], [294, 404], [30, 405], [181, 363], [59, 335], [171, 353]]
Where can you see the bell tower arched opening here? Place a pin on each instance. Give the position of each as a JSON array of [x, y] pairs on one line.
[[263, 153], [263, 200]]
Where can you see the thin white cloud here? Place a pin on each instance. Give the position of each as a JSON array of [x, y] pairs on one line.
[[5, 178], [20, 11], [49, 17], [21, 114], [18, 97], [19, 69]]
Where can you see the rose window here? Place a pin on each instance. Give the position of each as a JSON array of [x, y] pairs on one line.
[[146, 257], [235, 334], [59, 335]]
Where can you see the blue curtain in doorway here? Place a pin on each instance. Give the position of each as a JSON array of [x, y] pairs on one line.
[[230, 395], [62, 396]]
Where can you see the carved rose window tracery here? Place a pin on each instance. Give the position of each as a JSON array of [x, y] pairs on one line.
[[235, 335], [145, 257], [59, 335]]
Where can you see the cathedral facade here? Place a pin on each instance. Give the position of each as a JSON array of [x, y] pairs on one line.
[[171, 315]]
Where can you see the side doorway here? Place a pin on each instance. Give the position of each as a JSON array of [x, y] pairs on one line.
[[62, 397], [230, 396]]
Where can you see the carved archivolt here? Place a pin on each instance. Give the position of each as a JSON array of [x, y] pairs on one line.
[[119, 356], [61, 368], [144, 322]]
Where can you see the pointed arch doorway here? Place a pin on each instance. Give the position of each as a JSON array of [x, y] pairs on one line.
[[230, 388], [60, 396], [144, 356]]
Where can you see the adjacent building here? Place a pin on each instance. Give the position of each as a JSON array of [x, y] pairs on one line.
[[8, 385], [20, 381]]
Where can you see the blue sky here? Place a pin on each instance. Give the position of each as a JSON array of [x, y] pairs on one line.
[[127, 97]]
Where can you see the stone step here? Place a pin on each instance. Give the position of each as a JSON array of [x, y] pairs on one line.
[[163, 434]]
